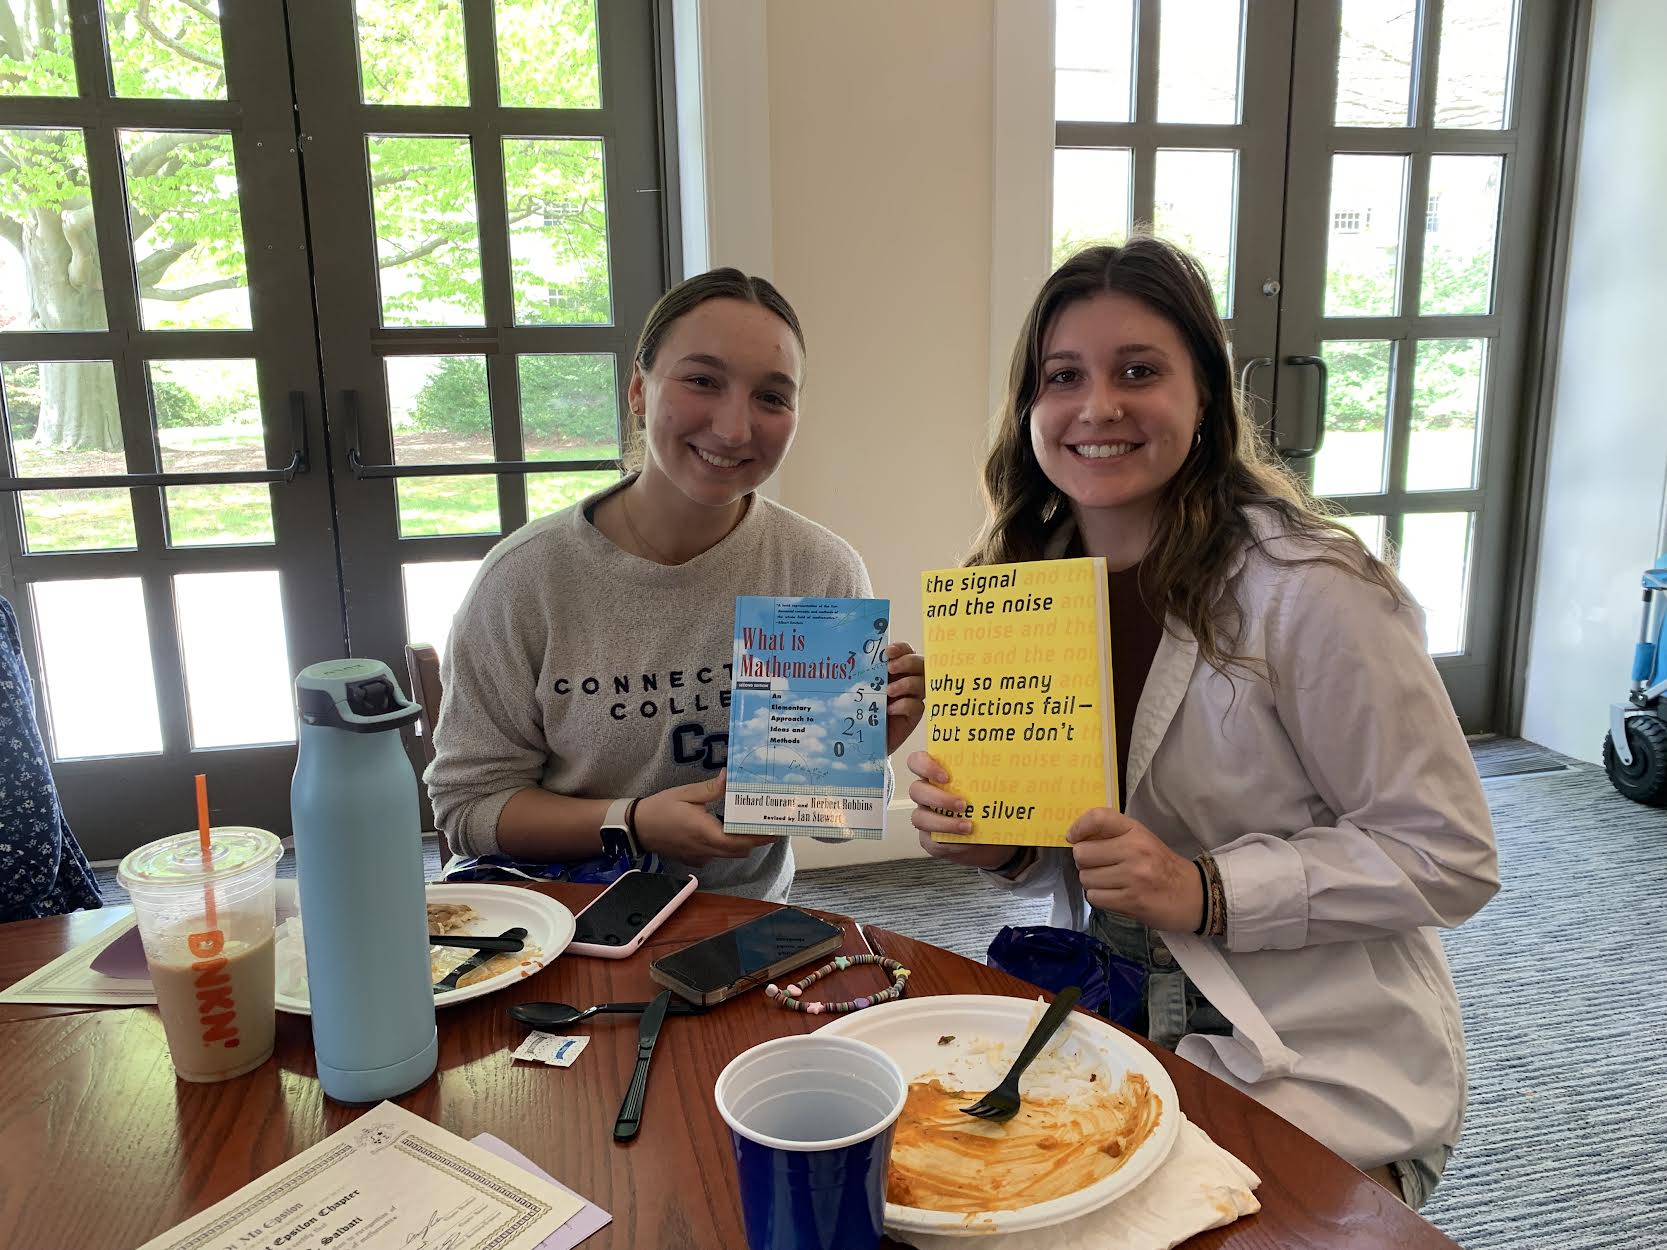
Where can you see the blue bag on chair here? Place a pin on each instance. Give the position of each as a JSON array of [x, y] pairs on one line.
[[598, 870], [1053, 958]]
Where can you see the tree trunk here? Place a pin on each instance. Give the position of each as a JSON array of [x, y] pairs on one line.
[[78, 407], [78, 398]]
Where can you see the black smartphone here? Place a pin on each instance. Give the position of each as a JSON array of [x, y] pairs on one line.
[[618, 920], [732, 962]]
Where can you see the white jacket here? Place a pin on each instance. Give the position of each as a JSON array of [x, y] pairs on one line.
[[1344, 810]]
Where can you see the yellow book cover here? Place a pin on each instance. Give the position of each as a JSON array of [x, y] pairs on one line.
[[1018, 695]]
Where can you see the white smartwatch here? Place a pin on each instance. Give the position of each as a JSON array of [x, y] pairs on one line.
[[619, 833]]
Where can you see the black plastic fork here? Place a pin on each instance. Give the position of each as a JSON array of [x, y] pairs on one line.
[[1002, 1102]]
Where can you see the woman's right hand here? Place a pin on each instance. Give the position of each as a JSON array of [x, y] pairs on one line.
[[931, 815], [675, 825]]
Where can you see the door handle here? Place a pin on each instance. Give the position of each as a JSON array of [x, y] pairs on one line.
[[1304, 453], [1249, 371], [470, 468], [297, 465]]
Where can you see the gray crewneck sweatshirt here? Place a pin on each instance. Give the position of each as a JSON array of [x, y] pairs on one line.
[[594, 673]]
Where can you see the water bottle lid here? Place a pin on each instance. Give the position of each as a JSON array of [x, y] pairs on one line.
[[177, 861], [358, 695]]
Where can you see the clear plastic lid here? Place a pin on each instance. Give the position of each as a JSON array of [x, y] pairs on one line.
[[176, 862]]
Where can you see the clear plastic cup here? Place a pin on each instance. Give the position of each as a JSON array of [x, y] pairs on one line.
[[207, 933]]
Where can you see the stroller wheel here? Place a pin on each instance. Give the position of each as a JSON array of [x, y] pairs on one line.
[[1645, 779]]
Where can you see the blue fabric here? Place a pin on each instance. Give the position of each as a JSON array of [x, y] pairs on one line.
[[42, 869], [600, 870], [1053, 958]]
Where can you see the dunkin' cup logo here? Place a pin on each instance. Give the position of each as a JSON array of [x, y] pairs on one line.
[[216, 1011]]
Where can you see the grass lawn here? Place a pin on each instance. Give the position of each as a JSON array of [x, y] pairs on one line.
[[102, 520]]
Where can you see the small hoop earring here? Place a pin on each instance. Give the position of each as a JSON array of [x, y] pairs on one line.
[[1197, 436]]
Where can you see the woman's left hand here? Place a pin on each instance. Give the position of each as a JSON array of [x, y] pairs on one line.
[[905, 693], [1126, 868]]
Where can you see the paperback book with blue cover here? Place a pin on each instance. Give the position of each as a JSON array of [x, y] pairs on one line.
[[807, 717]]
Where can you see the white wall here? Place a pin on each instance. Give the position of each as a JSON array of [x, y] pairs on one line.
[[1607, 486]]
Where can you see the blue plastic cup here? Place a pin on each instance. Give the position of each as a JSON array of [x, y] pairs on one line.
[[811, 1120]]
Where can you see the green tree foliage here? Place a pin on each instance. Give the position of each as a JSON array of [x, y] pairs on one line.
[[184, 218], [566, 399]]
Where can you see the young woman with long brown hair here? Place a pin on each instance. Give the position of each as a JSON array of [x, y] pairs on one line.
[[1301, 812]]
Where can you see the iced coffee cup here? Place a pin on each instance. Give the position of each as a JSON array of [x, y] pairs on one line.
[[206, 924]]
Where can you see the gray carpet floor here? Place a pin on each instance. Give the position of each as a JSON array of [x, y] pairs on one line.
[[1561, 981]]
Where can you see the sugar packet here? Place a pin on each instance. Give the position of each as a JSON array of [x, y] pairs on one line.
[[549, 1048]]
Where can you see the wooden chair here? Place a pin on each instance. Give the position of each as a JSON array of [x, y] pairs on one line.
[[422, 667]]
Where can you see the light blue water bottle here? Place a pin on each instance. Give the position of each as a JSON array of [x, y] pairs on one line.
[[358, 854]]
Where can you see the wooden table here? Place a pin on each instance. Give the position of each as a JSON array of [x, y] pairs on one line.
[[101, 1147]]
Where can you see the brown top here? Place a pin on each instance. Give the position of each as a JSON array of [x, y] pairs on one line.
[[1135, 632]]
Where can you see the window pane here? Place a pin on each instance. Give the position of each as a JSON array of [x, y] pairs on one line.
[[1446, 414], [50, 278], [1093, 57], [1199, 55], [1434, 562], [208, 420], [1474, 70], [550, 492], [95, 657], [1363, 249], [1374, 62], [1461, 223], [61, 416], [547, 56], [1090, 198], [569, 410], [38, 59], [186, 229], [433, 593], [427, 239], [558, 231], [165, 49], [440, 412], [433, 506], [412, 52], [1370, 530], [1351, 459], [1195, 201], [231, 640]]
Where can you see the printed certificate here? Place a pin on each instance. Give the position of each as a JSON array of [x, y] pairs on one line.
[[388, 1181]]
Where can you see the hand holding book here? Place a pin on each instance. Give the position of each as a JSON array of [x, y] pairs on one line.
[[675, 824], [1127, 869], [933, 806], [905, 693]]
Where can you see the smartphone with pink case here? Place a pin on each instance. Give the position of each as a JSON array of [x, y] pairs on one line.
[[619, 920]]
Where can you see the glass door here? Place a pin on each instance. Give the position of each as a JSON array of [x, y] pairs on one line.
[[1172, 117], [1414, 193], [485, 186], [165, 529]]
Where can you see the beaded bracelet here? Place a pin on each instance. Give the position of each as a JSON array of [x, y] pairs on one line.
[[791, 999], [1215, 898]]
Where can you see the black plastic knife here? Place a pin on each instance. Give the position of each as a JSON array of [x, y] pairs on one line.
[[450, 980], [648, 1032]]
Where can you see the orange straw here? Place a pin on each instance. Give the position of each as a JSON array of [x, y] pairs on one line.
[[208, 853]]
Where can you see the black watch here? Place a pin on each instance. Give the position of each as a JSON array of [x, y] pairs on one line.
[[619, 835]]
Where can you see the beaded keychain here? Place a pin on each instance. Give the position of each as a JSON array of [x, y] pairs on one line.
[[790, 997]]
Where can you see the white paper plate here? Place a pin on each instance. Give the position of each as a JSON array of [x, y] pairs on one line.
[[908, 1030], [549, 927]]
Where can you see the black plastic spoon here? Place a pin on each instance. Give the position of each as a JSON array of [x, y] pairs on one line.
[[553, 1015]]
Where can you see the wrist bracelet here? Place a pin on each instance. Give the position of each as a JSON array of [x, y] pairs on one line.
[[1204, 899], [1216, 897]]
